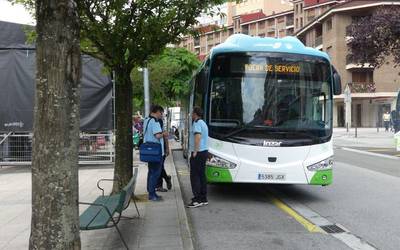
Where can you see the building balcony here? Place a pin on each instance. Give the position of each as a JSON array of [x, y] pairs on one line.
[[362, 87], [271, 29], [352, 64]]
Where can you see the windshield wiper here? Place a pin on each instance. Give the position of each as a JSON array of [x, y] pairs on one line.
[[235, 132], [296, 132]]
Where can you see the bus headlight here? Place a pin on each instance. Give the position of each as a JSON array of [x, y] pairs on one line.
[[215, 161], [322, 165]]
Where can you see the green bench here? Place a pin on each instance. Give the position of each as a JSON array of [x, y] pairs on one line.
[[106, 210]]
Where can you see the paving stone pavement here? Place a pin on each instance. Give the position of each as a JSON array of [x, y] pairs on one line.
[[161, 225]]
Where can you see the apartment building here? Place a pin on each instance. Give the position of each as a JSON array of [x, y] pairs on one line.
[[373, 91], [254, 24], [321, 24], [306, 11]]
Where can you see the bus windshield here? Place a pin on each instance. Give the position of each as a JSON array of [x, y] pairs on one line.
[[256, 95]]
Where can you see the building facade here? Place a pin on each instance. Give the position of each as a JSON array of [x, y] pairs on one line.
[[373, 91], [268, 7], [321, 24]]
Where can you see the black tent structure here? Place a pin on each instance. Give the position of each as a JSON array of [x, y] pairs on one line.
[[17, 85], [17, 94]]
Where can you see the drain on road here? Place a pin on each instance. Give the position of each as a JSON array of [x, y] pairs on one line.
[[332, 229]]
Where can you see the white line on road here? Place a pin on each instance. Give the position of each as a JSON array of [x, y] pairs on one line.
[[370, 153]]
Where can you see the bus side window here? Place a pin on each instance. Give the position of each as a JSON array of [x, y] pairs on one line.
[[200, 89]]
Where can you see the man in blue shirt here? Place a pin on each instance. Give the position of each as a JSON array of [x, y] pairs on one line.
[[153, 133], [198, 146], [163, 175]]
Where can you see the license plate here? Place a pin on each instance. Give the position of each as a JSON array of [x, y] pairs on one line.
[[271, 177]]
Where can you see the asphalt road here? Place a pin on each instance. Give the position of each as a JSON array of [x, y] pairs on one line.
[[364, 199]]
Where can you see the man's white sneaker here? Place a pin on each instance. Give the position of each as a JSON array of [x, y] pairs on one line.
[[194, 204]]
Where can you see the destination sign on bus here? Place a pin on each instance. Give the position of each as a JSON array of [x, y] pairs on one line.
[[277, 68]]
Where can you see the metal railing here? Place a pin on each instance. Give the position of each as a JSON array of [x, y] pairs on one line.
[[94, 148], [351, 60], [362, 87], [16, 148]]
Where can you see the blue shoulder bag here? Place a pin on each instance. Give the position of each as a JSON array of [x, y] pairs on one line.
[[150, 151]]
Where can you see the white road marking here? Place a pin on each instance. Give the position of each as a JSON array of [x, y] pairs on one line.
[[351, 240], [370, 153]]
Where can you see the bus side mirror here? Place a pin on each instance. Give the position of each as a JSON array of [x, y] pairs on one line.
[[337, 83]]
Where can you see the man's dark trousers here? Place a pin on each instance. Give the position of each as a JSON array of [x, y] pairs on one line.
[[198, 176], [152, 178], [163, 174]]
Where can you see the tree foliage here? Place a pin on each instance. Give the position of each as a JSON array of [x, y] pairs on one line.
[[124, 34], [377, 36], [169, 75]]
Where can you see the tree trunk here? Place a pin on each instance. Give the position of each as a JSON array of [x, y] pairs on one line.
[[55, 215], [123, 143]]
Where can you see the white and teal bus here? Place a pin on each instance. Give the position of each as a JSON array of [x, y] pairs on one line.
[[268, 106]]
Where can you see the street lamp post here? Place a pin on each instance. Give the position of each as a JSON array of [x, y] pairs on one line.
[[347, 101], [146, 86]]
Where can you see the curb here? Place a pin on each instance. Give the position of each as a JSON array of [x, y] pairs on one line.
[[186, 235]]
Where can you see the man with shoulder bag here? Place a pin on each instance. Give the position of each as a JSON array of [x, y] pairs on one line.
[[153, 135]]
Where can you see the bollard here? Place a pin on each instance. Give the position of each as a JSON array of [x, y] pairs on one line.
[[347, 127], [356, 131], [397, 141]]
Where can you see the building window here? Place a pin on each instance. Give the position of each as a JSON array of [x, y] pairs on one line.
[[301, 22], [301, 8], [271, 34], [289, 21], [245, 29], [329, 24], [297, 23], [261, 25]]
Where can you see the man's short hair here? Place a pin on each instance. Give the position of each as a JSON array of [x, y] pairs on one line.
[[155, 108], [198, 111]]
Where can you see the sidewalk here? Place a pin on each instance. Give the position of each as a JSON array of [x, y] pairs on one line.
[[162, 225], [366, 137], [369, 141]]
